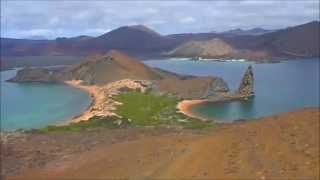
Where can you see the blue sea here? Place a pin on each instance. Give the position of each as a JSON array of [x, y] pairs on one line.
[[34, 105], [279, 87]]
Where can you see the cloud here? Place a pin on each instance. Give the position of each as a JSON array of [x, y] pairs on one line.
[[78, 17], [36, 32], [54, 21], [96, 31], [155, 22], [151, 11], [187, 20]]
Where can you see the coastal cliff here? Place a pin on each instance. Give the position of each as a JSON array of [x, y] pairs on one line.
[[29, 74]]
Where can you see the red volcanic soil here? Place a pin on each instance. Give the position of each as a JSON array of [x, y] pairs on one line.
[[284, 146]]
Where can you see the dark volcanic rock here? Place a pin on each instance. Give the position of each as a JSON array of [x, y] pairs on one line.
[[218, 85], [192, 87], [35, 75], [246, 84]]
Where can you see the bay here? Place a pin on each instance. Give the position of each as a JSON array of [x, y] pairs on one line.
[[35, 105], [279, 87]]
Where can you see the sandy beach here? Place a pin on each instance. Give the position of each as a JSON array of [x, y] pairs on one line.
[[185, 105], [97, 98], [100, 94], [102, 104], [101, 101]]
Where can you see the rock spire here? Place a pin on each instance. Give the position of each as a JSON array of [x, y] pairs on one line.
[[246, 84]]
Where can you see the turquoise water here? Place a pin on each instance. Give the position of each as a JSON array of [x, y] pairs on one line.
[[33, 105], [279, 87]]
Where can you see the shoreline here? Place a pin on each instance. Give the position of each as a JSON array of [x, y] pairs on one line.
[[98, 98], [95, 96], [185, 105], [102, 103]]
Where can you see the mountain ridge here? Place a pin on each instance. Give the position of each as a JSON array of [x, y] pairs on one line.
[[296, 41], [253, 31], [292, 42]]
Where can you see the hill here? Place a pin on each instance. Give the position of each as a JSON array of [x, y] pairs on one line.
[[216, 48], [302, 40], [241, 32], [113, 66], [136, 39], [100, 70], [284, 146], [141, 41], [297, 41], [131, 39]]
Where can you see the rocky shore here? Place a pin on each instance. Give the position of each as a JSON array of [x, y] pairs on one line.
[[245, 91]]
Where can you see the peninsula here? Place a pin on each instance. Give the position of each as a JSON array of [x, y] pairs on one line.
[[106, 76]]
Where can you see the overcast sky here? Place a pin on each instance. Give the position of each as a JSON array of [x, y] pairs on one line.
[[20, 19]]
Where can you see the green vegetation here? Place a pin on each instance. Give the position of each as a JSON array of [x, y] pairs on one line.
[[94, 122], [145, 109], [137, 109]]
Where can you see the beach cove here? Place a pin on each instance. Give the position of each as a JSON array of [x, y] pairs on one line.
[[279, 87], [35, 105]]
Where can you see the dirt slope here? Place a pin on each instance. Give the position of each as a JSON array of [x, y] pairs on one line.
[[283, 146], [108, 68]]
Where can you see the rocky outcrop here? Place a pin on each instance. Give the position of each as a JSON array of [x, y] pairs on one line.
[[246, 84], [191, 87], [35, 75], [246, 90]]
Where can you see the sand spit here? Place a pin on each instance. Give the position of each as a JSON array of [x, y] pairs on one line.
[[102, 102]]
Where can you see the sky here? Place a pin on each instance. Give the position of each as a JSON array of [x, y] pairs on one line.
[[51, 19]]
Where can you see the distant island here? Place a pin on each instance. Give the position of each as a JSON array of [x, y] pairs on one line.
[[292, 42]]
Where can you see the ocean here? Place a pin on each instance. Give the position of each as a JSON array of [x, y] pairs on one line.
[[35, 105], [279, 87]]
